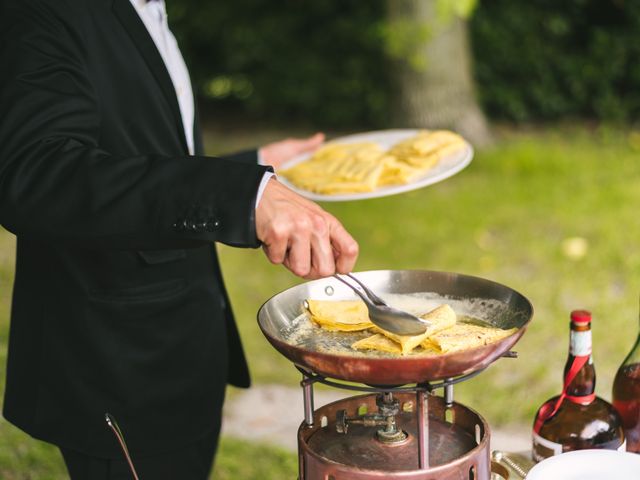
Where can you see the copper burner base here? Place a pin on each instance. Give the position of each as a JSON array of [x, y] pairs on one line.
[[458, 449]]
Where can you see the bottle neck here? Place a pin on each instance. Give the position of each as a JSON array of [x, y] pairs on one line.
[[634, 355], [580, 340], [582, 387]]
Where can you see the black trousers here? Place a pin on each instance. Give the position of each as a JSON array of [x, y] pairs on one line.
[[192, 462]]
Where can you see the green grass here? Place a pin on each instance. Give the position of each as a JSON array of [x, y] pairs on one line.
[[505, 218], [241, 460], [22, 458]]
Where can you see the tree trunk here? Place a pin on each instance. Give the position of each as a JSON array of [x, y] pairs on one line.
[[441, 93]]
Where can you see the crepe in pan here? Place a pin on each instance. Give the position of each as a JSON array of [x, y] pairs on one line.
[[464, 336], [441, 318], [379, 343], [341, 315]]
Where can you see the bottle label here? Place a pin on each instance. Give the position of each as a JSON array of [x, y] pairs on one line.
[[580, 343], [543, 448]]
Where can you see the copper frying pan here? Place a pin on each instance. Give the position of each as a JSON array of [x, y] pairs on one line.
[[287, 328]]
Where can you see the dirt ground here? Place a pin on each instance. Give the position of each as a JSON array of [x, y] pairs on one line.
[[273, 413]]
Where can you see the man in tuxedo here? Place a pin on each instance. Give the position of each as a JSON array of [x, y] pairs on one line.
[[118, 303]]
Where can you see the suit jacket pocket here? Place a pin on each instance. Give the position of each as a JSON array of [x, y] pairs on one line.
[[149, 293], [155, 257]]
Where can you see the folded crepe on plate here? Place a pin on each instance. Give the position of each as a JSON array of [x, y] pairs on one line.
[[424, 150], [338, 168]]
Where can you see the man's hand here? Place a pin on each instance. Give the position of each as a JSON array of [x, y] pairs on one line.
[[277, 153], [300, 235]]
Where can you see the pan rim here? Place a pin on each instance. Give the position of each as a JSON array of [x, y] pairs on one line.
[[403, 369]]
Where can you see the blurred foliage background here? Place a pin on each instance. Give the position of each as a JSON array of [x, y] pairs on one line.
[[545, 60], [548, 208], [321, 62], [327, 63]]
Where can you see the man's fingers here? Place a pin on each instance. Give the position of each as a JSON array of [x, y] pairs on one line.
[[311, 143], [277, 153], [276, 242], [297, 232], [322, 258], [345, 248], [298, 258], [276, 255]]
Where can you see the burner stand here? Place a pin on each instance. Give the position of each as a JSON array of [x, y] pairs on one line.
[[392, 432]]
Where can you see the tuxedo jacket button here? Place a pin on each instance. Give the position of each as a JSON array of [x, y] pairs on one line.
[[180, 225], [212, 224]]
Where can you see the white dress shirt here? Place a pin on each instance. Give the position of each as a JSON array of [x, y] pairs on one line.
[[154, 16]]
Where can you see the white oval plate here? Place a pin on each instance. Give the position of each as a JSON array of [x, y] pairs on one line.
[[445, 168], [588, 465]]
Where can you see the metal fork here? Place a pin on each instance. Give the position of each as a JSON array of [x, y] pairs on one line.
[[386, 317]]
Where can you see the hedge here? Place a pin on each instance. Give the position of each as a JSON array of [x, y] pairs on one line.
[[325, 62]]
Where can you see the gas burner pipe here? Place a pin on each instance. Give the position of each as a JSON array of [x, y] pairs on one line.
[[423, 429]]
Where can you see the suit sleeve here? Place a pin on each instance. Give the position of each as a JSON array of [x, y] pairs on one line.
[[58, 184], [246, 156]]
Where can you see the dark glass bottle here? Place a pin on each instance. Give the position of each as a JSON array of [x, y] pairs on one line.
[[582, 420], [626, 396]]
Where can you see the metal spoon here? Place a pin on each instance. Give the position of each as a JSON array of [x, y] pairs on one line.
[[386, 317]]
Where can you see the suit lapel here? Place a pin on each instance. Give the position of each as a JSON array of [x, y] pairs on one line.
[[132, 23], [197, 132]]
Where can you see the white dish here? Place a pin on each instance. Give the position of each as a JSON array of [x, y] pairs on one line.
[[445, 168], [588, 465]]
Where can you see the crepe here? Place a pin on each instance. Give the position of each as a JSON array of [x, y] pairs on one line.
[[342, 315], [339, 168], [382, 343], [464, 336], [426, 143], [441, 318], [444, 335], [378, 342]]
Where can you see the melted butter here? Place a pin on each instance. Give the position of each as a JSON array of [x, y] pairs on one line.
[[304, 333]]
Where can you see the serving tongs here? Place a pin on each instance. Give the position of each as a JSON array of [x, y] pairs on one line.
[[382, 315]]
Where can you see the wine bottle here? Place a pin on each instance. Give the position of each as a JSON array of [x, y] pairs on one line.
[[577, 419], [626, 396]]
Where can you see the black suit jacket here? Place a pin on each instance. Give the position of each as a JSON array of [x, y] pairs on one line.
[[118, 305]]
